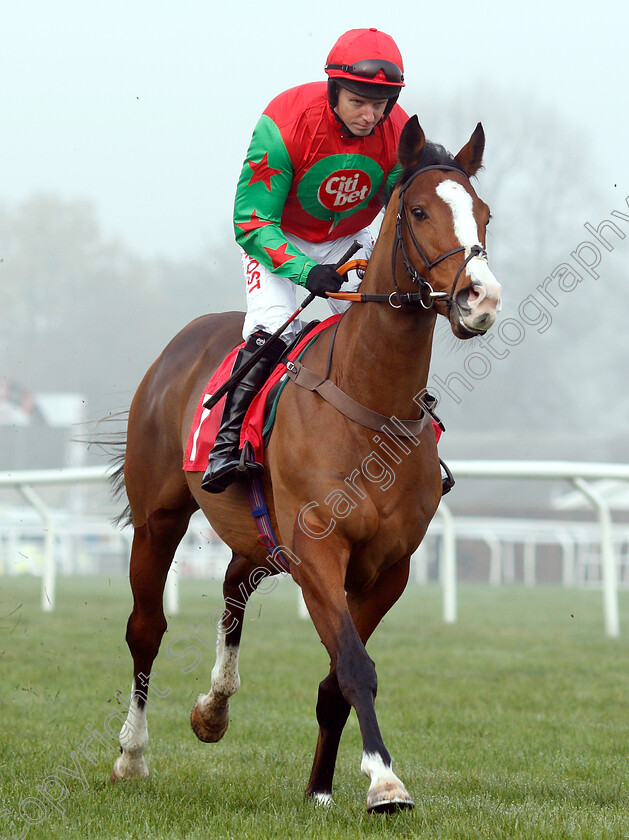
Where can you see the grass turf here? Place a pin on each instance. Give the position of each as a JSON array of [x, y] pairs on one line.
[[511, 723]]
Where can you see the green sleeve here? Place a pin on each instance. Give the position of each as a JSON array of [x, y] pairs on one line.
[[391, 179], [265, 180]]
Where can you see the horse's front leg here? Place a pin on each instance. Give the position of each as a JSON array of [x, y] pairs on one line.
[[367, 610], [321, 575], [210, 715]]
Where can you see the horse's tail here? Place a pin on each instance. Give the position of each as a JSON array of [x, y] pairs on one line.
[[114, 445], [117, 484]]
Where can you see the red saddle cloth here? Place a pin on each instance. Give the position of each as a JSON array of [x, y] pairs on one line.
[[206, 422]]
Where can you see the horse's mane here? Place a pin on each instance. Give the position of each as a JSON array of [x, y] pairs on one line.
[[433, 154]]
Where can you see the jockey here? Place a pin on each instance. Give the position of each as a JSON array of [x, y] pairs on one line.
[[320, 167]]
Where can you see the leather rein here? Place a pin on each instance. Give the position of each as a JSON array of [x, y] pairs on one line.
[[426, 296]]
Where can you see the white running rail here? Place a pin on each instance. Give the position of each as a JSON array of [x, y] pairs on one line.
[[579, 474]]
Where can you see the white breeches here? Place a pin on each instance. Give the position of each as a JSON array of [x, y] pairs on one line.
[[271, 300]]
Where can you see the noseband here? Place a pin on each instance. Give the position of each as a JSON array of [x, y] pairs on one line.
[[426, 296]]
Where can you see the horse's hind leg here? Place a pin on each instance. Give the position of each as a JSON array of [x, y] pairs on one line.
[[386, 791], [154, 546], [210, 715]]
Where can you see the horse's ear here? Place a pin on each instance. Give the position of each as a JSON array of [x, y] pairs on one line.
[[412, 141], [471, 155]]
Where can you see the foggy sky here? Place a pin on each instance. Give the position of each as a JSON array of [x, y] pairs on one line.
[[146, 108]]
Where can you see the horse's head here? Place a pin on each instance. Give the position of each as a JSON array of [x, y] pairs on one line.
[[441, 226]]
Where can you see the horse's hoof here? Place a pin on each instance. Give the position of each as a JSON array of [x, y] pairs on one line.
[[212, 732], [387, 798], [129, 769]]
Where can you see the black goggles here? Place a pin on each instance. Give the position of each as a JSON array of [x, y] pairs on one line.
[[369, 68]]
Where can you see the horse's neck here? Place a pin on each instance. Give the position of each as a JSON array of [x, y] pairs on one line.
[[382, 357]]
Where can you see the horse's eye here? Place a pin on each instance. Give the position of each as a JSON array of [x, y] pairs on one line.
[[489, 218], [419, 213]]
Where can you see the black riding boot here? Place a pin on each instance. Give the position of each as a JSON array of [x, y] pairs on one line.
[[222, 469], [447, 479]]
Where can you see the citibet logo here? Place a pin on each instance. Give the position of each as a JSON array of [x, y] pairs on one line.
[[344, 189]]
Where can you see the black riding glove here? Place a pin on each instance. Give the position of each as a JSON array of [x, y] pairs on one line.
[[322, 279]]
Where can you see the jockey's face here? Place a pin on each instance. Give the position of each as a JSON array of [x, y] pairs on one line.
[[358, 113]]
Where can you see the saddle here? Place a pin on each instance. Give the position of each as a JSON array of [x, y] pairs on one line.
[[206, 422]]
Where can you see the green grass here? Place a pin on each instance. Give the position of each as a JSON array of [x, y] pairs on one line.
[[513, 723]]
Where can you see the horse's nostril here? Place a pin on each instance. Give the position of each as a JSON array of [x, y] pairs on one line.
[[465, 298]]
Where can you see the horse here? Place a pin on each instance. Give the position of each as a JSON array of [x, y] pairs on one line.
[[349, 534]]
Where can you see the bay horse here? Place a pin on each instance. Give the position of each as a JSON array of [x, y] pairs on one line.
[[349, 534]]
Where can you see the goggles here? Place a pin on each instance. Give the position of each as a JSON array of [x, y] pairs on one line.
[[369, 68]]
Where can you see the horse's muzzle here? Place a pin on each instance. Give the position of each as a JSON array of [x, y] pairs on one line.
[[476, 305]]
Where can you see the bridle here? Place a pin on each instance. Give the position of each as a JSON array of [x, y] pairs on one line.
[[426, 296]]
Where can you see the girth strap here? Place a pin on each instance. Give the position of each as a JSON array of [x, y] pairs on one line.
[[332, 394]]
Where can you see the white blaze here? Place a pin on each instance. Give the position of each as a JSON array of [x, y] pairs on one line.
[[460, 203], [466, 231]]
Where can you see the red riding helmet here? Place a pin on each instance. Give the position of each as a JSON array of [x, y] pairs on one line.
[[368, 63]]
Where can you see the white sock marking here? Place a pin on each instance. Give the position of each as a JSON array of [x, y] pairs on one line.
[[225, 676], [134, 737], [375, 769]]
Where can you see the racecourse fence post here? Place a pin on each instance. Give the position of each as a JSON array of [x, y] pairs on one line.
[[528, 563], [447, 563], [50, 538], [172, 592], [608, 559]]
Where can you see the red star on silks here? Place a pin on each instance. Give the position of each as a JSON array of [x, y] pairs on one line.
[[262, 171], [253, 224], [279, 255]]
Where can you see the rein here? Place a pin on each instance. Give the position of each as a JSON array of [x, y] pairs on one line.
[[426, 296]]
